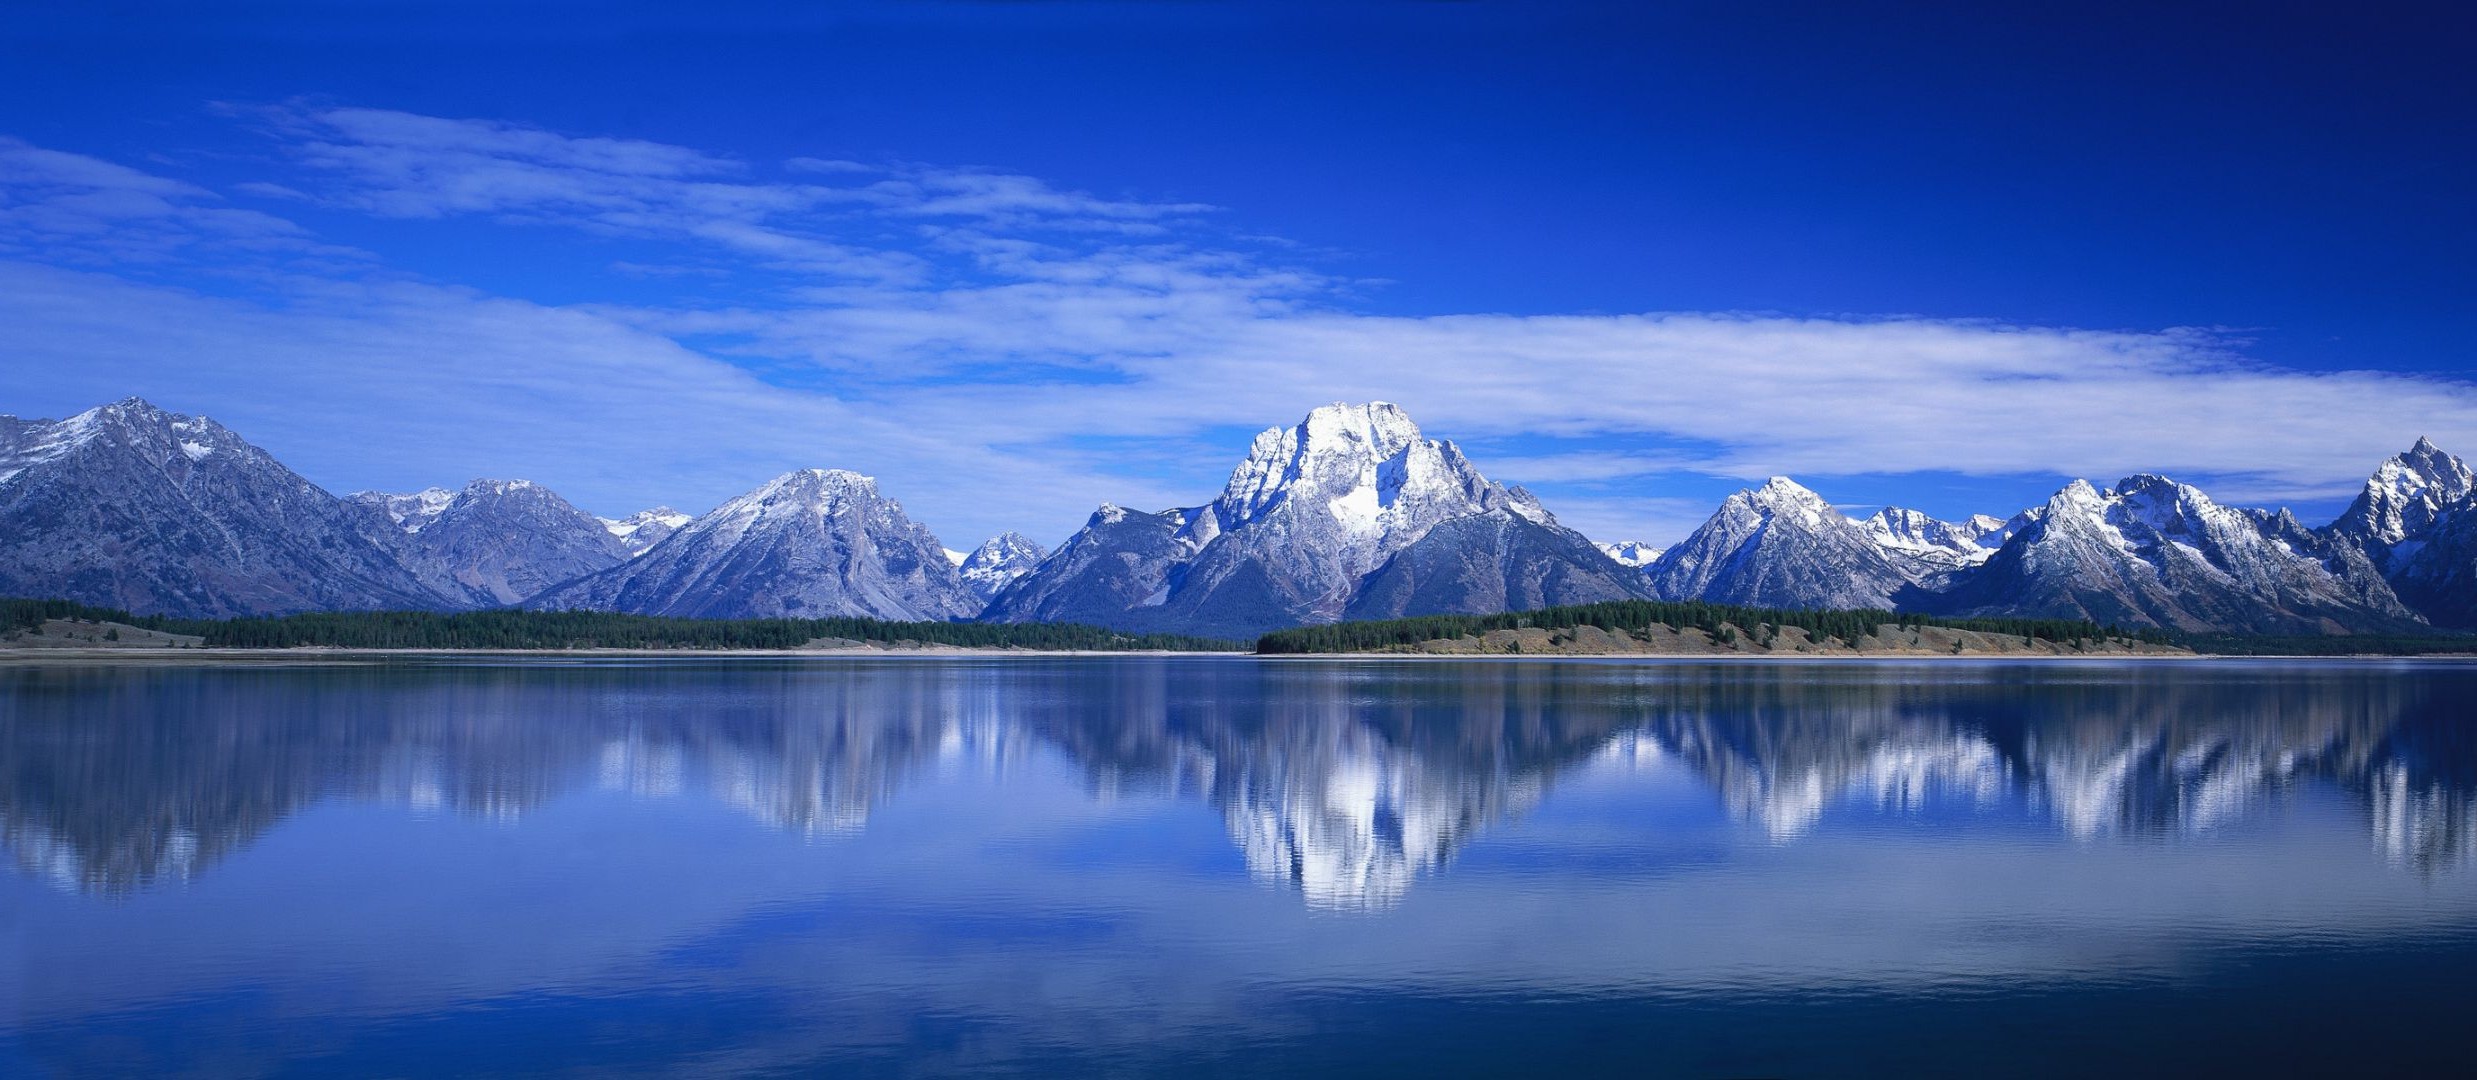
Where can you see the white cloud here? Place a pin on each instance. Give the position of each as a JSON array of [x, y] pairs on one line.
[[973, 336]]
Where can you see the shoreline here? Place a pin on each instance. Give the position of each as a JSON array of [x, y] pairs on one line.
[[316, 654]]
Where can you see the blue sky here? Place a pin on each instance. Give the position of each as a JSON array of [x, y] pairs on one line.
[[1016, 259]]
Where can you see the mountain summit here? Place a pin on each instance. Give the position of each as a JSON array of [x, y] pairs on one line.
[[1342, 515], [1781, 545], [128, 506], [2416, 522], [809, 544]]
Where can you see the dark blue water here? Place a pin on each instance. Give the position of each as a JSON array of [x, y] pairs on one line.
[[1206, 866]]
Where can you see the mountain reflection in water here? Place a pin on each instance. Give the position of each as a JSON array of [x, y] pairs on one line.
[[1345, 781]]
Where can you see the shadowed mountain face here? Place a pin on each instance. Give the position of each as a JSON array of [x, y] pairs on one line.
[[497, 541], [811, 544], [132, 507], [1348, 783], [2416, 524]]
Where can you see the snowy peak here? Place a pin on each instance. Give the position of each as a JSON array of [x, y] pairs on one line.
[[1366, 467], [1916, 535], [806, 544], [2151, 551], [127, 505], [645, 528], [1634, 553], [1310, 521], [1781, 493], [2405, 496], [1782, 545], [165, 439], [999, 560]]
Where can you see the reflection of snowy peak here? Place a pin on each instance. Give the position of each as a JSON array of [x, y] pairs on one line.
[[1304, 523]]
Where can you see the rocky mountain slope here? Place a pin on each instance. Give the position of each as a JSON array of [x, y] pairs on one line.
[[2416, 524], [496, 542], [1305, 523], [132, 507], [1781, 545], [2152, 552], [813, 544], [998, 561]]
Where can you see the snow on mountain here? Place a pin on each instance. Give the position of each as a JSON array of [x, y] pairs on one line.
[[495, 542], [1634, 553], [2416, 522], [408, 512], [1781, 545], [997, 561], [808, 544], [1934, 544], [2152, 552], [645, 528], [1313, 511], [129, 506]]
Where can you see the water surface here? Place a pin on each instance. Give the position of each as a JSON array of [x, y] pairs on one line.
[[1212, 865]]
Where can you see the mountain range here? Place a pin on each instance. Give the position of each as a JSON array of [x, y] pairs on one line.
[[1351, 513]]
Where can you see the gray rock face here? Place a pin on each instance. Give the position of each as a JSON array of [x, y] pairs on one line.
[[998, 561], [2416, 523], [1781, 545], [1305, 520], [497, 541], [133, 507], [1116, 571], [640, 531], [1488, 563], [2153, 552], [810, 544]]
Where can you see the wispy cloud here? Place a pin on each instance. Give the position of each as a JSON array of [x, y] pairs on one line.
[[992, 343], [79, 208]]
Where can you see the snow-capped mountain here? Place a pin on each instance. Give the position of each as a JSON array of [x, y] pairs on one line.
[[809, 544], [1634, 553], [997, 561], [2153, 552], [497, 541], [2416, 522], [645, 528], [132, 507], [1946, 545], [1310, 516], [1781, 545]]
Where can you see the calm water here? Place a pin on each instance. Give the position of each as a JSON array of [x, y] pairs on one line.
[[1201, 866]]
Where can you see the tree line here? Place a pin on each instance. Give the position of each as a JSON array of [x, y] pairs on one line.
[[504, 628], [1718, 620]]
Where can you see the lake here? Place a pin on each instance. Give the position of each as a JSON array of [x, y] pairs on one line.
[[1211, 865]]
